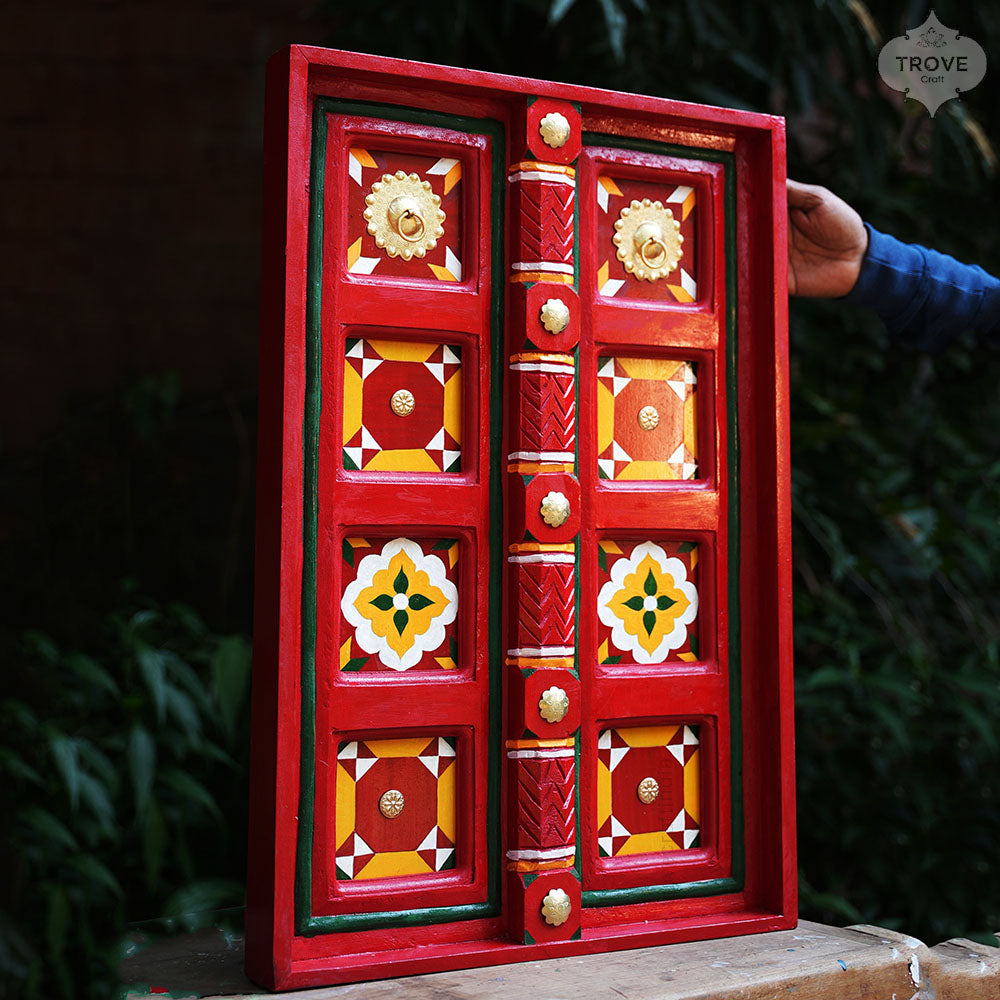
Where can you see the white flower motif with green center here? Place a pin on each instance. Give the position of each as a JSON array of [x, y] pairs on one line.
[[648, 603], [400, 603]]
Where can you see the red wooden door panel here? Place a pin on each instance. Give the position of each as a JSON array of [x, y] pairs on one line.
[[522, 668], [655, 631], [403, 560]]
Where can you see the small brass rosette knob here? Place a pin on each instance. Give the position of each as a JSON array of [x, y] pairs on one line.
[[649, 418], [648, 239], [555, 907], [404, 215], [554, 315], [402, 402], [554, 130], [553, 705], [391, 804], [554, 509], [648, 790]]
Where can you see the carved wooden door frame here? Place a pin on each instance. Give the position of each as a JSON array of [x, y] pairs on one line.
[[522, 650]]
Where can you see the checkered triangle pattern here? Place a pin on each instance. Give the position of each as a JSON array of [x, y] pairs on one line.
[[418, 838], [647, 419], [667, 757], [381, 436]]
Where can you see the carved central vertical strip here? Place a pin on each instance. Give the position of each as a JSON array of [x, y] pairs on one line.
[[544, 202], [543, 681]]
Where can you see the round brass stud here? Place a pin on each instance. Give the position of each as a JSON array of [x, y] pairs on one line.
[[555, 907], [648, 790], [402, 402], [554, 129], [649, 418], [391, 804], [554, 509], [648, 239], [554, 315], [553, 705]]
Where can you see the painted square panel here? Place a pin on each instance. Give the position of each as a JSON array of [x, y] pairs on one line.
[[647, 419], [396, 807], [402, 406], [402, 200], [648, 790], [622, 273], [399, 604], [647, 601]]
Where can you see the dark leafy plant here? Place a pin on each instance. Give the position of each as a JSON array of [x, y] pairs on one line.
[[126, 793]]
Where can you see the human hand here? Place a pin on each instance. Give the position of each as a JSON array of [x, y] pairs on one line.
[[826, 242]]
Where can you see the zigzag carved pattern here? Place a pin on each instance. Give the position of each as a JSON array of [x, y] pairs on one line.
[[548, 412], [545, 809], [545, 615], [546, 225]]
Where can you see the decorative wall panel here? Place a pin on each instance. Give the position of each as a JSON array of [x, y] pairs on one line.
[[396, 807], [522, 675], [647, 602], [402, 406], [647, 419], [420, 180], [648, 790]]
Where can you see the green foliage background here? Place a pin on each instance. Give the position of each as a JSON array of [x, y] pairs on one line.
[[123, 733]]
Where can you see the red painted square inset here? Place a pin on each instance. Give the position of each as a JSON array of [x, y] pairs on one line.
[[647, 419], [648, 790], [416, 196], [396, 807], [399, 604], [647, 601], [402, 406], [622, 271]]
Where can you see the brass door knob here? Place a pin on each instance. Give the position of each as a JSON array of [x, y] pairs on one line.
[[554, 508], [405, 218], [553, 705], [555, 907], [390, 805], [648, 790], [648, 239], [404, 215], [649, 243], [554, 129], [554, 315]]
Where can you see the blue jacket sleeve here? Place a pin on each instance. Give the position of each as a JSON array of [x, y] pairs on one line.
[[925, 298]]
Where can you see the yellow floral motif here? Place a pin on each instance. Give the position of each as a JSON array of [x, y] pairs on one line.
[[400, 603], [648, 603]]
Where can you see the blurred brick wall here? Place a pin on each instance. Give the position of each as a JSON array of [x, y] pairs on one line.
[[130, 202]]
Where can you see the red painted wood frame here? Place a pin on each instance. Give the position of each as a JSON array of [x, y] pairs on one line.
[[728, 695], [370, 505]]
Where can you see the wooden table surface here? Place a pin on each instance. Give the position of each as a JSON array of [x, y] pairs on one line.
[[812, 961]]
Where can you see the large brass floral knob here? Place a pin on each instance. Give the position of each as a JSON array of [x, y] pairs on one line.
[[404, 215], [554, 509], [553, 705], [556, 906], [554, 129], [648, 238], [554, 315]]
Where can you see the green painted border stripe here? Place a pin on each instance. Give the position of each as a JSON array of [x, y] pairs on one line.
[[711, 887], [310, 445], [306, 923]]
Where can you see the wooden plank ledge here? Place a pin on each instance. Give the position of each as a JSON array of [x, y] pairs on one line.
[[810, 962]]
